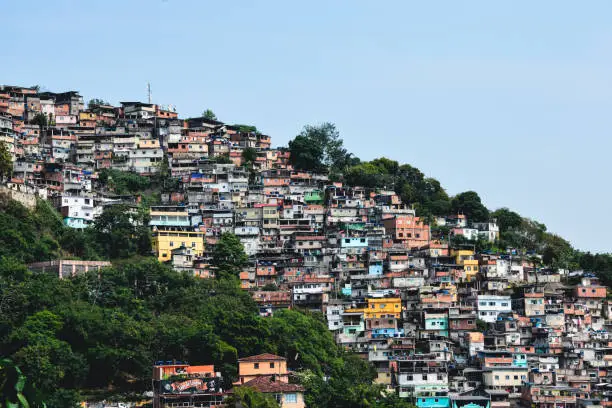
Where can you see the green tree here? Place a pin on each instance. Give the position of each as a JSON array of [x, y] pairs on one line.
[[247, 397], [246, 128], [228, 255], [121, 232], [6, 161], [163, 177], [209, 115], [125, 182], [96, 102], [12, 385], [469, 203], [481, 325], [249, 155], [41, 120], [506, 219], [320, 149], [369, 175]]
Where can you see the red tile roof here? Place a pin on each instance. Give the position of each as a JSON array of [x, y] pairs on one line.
[[268, 384], [263, 357]]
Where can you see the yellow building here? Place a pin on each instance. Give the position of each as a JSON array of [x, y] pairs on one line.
[[379, 307], [165, 241], [465, 258]]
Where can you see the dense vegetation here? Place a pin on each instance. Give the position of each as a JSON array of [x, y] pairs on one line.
[[90, 333]]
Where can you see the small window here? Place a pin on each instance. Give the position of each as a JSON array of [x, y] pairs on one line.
[[271, 365], [256, 366], [291, 398]]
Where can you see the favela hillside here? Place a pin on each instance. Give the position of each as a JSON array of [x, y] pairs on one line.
[[153, 260]]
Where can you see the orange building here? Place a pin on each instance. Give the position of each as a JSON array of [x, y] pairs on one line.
[[260, 365], [407, 229], [591, 291]]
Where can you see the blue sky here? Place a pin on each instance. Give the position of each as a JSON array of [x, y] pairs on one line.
[[510, 99]]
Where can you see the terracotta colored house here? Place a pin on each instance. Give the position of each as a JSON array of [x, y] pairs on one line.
[[408, 229], [267, 373], [250, 368]]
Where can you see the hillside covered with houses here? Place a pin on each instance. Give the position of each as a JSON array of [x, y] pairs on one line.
[[136, 240]]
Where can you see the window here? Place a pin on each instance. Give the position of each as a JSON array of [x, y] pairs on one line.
[[171, 243], [424, 377], [291, 398], [505, 304], [271, 365], [193, 244], [497, 377], [516, 377], [256, 366], [507, 377]]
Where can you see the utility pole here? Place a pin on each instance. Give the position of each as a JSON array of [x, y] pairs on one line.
[[149, 91]]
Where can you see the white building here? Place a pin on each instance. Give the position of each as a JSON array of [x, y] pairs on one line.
[[490, 306]]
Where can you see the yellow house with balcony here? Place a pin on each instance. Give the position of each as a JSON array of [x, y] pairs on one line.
[[165, 241], [379, 307], [465, 258]]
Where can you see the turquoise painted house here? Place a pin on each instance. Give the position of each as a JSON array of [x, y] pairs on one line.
[[433, 402]]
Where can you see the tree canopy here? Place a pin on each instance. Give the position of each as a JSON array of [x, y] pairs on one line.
[[469, 203], [209, 114], [6, 162], [96, 102], [228, 254], [122, 232], [247, 397], [320, 149]]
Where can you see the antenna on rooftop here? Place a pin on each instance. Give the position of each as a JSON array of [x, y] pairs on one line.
[[149, 91]]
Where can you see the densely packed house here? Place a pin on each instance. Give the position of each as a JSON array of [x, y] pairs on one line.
[[444, 326]]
